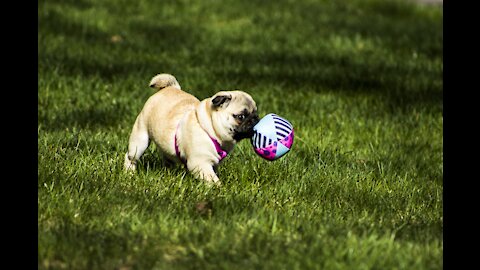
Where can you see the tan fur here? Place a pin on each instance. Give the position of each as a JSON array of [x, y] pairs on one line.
[[196, 120]]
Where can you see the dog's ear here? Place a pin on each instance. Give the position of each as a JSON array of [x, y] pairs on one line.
[[221, 101]]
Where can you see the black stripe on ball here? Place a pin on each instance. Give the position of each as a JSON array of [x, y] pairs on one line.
[[283, 120]]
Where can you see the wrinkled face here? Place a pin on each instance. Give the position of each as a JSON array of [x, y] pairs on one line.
[[234, 114]]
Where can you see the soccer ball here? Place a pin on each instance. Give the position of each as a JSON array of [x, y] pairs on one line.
[[273, 137]]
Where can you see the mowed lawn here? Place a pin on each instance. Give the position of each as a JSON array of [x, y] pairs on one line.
[[361, 82]]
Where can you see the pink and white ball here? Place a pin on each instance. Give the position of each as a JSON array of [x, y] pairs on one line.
[[273, 137]]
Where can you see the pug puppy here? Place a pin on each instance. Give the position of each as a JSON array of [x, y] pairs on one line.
[[197, 133]]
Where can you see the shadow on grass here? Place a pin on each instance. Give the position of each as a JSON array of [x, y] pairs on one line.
[[153, 160], [104, 248], [148, 47], [86, 118], [92, 52], [396, 85]]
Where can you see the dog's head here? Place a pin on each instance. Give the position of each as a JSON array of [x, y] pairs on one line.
[[234, 114]]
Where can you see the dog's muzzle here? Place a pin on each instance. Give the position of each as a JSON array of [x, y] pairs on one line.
[[245, 129]]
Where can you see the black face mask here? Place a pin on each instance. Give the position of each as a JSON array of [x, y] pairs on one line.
[[245, 129]]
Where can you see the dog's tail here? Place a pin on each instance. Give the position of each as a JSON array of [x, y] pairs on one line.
[[163, 80]]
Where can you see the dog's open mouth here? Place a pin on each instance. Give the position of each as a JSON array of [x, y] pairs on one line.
[[243, 135]]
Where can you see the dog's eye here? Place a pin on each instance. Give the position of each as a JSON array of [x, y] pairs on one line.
[[239, 116]]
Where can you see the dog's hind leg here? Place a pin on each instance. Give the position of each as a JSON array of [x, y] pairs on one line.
[[137, 145]]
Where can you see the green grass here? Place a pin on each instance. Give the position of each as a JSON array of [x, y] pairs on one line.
[[361, 81]]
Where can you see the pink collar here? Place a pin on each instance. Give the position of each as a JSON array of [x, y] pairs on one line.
[[219, 149]]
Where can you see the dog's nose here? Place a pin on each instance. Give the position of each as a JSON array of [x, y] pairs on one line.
[[255, 120]]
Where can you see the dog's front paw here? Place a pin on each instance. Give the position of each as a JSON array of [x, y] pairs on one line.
[[213, 183], [205, 172], [211, 179]]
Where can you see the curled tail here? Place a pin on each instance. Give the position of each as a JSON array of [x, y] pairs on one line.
[[163, 80]]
